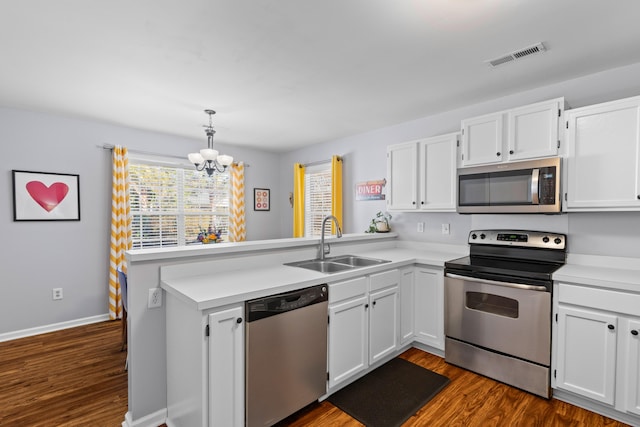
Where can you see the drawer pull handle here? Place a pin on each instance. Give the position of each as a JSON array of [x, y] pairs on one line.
[[239, 320], [611, 327], [634, 332]]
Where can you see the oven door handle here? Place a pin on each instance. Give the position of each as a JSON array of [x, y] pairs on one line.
[[498, 283]]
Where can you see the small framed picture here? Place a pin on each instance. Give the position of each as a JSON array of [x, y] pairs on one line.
[[261, 199], [45, 196]]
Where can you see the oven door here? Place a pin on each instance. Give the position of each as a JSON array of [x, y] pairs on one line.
[[506, 317]]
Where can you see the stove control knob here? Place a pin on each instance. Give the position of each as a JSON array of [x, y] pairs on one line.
[[545, 239], [474, 236], [557, 240], [482, 236]]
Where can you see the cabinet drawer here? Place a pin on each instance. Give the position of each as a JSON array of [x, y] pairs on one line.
[[384, 280], [348, 289], [603, 299]]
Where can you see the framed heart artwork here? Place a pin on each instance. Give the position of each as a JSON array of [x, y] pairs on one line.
[[45, 196]]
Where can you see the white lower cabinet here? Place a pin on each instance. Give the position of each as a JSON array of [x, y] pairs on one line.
[[205, 365], [226, 368], [363, 323], [429, 306], [348, 329], [407, 297], [587, 353], [384, 315], [633, 367], [597, 352]]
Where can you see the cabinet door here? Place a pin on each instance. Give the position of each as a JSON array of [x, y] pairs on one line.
[[438, 184], [348, 339], [633, 367], [429, 307], [402, 178], [226, 368], [407, 296], [482, 139], [586, 359], [533, 130], [383, 323], [603, 156]]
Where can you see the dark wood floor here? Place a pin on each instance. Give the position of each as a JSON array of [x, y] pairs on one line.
[[73, 377], [469, 400], [76, 377]]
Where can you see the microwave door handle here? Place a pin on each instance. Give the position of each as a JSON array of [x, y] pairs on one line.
[[535, 179]]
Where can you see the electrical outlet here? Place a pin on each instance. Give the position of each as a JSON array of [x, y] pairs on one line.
[[155, 298], [57, 293], [445, 228], [421, 227]]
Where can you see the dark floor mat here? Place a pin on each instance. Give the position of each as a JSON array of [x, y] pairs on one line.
[[390, 394]]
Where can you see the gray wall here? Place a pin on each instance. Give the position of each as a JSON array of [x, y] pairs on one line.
[[74, 255], [615, 234]]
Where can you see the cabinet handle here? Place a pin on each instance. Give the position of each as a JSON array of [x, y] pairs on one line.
[[422, 203], [413, 203], [239, 320], [638, 196], [611, 327], [634, 332], [498, 154], [366, 306], [374, 303], [511, 151]]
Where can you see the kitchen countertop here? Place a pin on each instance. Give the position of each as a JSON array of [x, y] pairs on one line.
[[204, 291], [614, 273]]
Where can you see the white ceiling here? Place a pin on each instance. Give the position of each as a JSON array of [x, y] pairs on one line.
[[288, 73]]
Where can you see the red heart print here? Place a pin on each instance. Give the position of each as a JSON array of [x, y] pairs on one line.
[[47, 197]]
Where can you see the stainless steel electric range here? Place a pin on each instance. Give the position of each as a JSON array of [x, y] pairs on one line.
[[498, 306]]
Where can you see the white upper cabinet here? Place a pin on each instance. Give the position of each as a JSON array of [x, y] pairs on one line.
[[482, 139], [603, 156], [402, 173], [527, 132], [421, 174]]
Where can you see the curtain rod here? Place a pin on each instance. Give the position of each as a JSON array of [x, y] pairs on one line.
[[319, 162], [149, 153]]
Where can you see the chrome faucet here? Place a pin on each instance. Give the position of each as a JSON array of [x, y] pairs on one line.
[[324, 251]]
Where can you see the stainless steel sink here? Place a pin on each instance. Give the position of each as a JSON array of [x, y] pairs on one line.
[[357, 261], [337, 264]]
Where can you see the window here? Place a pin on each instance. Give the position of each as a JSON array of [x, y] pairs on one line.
[[171, 204], [317, 198]]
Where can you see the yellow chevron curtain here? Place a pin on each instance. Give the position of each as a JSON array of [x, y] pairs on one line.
[[120, 227], [237, 227], [336, 191], [298, 200]]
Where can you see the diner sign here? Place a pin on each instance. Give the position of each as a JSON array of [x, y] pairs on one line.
[[370, 190]]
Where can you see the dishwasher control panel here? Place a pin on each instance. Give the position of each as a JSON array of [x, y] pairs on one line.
[[261, 308]]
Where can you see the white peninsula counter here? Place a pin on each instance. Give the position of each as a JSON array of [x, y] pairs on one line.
[[200, 280]]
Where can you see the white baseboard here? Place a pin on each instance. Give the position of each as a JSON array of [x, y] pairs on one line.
[[152, 420], [7, 336]]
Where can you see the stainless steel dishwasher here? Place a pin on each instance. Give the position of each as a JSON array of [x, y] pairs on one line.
[[286, 353]]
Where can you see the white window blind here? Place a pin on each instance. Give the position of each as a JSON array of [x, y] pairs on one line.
[[317, 198], [171, 204]]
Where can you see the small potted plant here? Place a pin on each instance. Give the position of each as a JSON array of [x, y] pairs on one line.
[[380, 223]]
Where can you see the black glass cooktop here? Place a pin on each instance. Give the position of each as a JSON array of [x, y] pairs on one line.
[[504, 270]]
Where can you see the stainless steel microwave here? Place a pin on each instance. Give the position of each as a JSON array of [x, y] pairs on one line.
[[531, 186]]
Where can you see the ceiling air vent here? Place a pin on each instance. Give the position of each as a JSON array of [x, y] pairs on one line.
[[518, 54]]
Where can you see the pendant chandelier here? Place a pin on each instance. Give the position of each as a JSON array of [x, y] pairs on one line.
[[208, 159]]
